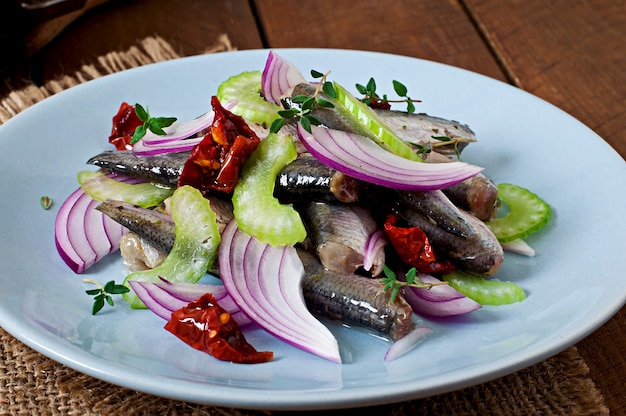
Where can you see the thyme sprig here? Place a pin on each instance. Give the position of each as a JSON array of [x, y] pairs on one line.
[[411, 280], [154, 124], [103, 293], [372, 98], [307, 105]]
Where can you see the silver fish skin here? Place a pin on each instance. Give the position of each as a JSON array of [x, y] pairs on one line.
[[478, 194], [413, 128], [157, 228], [354, 300], [477, 251], [306, 178], [339, 233], [164, 169], [423, 129]]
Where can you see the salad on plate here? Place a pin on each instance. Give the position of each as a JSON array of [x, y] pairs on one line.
[[307, 203]]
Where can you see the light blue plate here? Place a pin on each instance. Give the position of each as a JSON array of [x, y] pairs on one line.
[[574, 284]]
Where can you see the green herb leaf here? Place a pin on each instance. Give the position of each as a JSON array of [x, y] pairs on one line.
[[325, 103], [103, 293], [329, 89], [154, 124], [316, 74], [299, 99], [399, 88], [277, 125], [142, 113], [45, 202], [306, 124]]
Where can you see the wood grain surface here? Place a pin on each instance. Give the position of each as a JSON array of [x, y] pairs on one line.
[[570, 53]]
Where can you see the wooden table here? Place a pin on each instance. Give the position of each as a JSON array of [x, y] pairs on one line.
[[570, 53]]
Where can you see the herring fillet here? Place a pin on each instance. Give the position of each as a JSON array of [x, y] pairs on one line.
[[354, 300]]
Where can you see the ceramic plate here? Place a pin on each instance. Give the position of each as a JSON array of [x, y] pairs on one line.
[[574, 283]]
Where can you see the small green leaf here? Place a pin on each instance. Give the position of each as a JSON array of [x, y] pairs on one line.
[[410, 107], [399, 88], [156, 129], [329, 89], [291, 113], [299, 99], [308, 105], [140, 131], [109, 285], [325, 103], [93, 292], [371, 86], [442, 138], [109, 300], [98, 304], [277, 125], [119, 289], [361, 89], [313, 120], [141, 112], [306, 124], [45, 202], [316, 74]]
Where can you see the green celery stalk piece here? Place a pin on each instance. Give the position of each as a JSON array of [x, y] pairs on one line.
[[195, 245], [257, 212], [100, 187], [245, 89], [485, 291], [370, 124], [527, 214]]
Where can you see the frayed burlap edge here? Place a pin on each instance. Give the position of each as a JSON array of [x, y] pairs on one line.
[[31, 383], [149, 50]]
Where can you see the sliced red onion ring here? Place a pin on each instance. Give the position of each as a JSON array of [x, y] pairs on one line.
[[279, 77], [519, 246], [407, 343], [361, 158], [164, 297], [439, 300], [265, 281], [84, 235], [374, 242], [177, 139]]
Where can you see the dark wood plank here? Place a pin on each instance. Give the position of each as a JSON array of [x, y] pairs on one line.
[[437, 30], [572, 54], [190, 26]]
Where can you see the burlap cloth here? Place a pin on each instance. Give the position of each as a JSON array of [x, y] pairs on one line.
[[32, 384]]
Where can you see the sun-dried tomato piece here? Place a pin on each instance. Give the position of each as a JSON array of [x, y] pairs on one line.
[[124, 124], [215, 163], [206, 326], [412, 246]]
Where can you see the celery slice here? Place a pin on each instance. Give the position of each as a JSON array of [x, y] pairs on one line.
[[101, 187], [245, 90], [195, 245], [257, 212], [485, 291], [527, 213], [370, 124]]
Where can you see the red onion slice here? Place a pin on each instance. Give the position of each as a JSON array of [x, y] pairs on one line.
[[177, 139], [82, 234], [165, 297], [439, 300], [265, 281], [361, 158], [407, 343], [278, 78], [375, 242]]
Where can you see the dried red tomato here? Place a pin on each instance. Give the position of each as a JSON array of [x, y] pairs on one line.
[[413, 248], [207, 327], [124, 124], [215, 163]]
